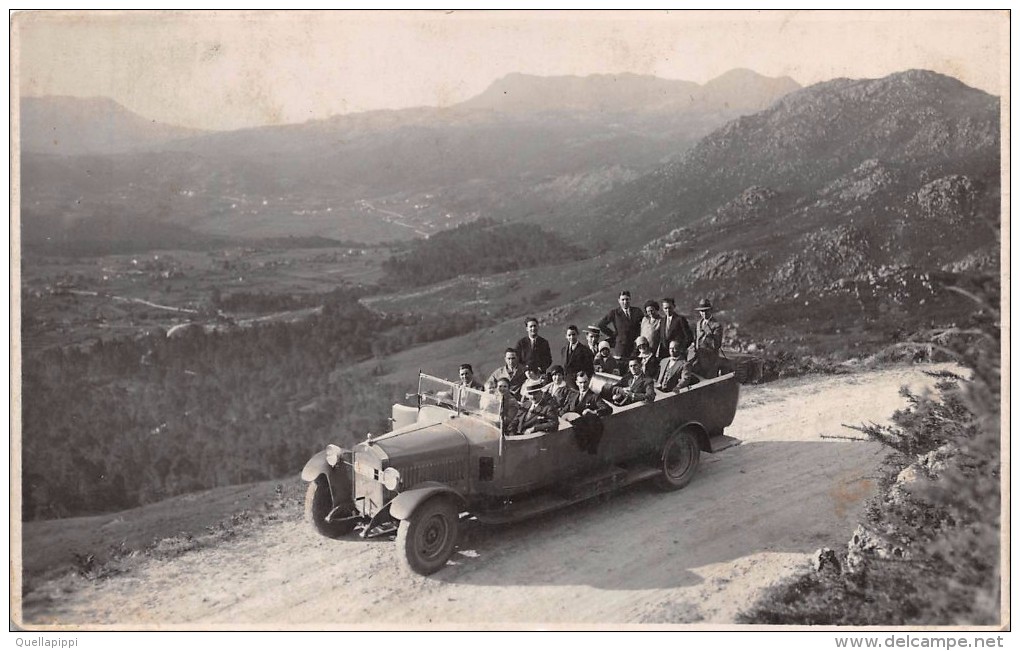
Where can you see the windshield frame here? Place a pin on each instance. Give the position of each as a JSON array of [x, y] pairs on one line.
[[462, 399]]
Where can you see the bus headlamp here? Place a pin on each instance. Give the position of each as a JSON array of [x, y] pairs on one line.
[[391, 479], [332, 455]]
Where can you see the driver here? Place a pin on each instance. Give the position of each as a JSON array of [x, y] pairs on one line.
[[467, 378]]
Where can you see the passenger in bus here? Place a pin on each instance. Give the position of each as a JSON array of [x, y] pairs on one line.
[[558, 388], [532, 348], [604, 362], [622, 325], [534, 378], [635, 386], [651, 325], [586, 402], [575, 355], [511, 370], [674, 326], [537, 413], [671, 368], [509, 406], [592, 334], [467, 378], [703, 355], [646, 353], [585, 410]]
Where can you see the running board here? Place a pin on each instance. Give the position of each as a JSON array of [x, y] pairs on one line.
[[566, 494], [721, 442]]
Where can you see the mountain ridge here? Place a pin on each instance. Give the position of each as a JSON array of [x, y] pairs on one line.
[[799, 143], [460, 162], [523, 93], [67, 125]]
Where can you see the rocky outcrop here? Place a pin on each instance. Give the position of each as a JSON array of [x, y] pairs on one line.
[[825, 560], [752, 203], [866, 180], [728, 264], [949, 199], [865, 544], [825, 257]]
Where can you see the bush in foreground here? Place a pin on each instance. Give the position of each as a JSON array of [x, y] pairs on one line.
[[929, 550]]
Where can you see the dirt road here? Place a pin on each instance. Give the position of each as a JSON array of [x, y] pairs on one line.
[[753, 514]]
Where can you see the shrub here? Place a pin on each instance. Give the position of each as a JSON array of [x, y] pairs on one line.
[[930, 548]]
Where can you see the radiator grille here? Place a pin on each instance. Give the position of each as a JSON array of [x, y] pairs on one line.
[[449, 470]]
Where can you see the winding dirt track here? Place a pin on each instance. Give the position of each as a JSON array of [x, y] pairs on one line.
[[754, 514]]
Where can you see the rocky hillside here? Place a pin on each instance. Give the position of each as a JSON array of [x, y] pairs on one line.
[[925, 125], [837, 205]]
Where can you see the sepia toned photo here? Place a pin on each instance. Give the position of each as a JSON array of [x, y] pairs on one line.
[[509, 320]]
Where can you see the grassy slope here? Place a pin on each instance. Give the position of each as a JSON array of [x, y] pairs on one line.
[[49, 546]]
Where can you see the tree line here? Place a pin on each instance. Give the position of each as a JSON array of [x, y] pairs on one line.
[[480, 247]]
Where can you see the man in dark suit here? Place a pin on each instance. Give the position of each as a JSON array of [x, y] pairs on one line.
[[592, 334], [590, 409], [622, 325], [533, 349], [576, 356], [585, 401], [537, 413], [671, 368], [635, 386], [674, 326]]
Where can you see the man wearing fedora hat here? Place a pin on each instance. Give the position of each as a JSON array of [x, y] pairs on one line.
[[703, 356], [708, 333], [538, 412]]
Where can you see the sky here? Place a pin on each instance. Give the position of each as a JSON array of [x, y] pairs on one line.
[[228, 70]]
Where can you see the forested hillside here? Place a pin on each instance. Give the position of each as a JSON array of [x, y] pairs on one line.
[[134, 420], [482, 247]]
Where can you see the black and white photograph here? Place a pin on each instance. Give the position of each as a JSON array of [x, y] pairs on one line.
[[511, 320]]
